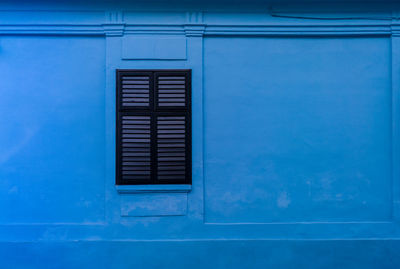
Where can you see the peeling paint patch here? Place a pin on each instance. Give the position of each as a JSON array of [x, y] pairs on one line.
[[283, 200], [142, 205]]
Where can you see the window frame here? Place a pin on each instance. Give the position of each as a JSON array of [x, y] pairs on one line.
[[154, 110]]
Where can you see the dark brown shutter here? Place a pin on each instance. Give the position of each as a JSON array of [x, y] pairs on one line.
[[153, 127], [172, 150], [135, 148], [135, 90], [171, 89]]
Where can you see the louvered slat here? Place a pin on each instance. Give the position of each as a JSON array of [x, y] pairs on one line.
[[171, 148], [171, 90], [135, 91], [135, 148]]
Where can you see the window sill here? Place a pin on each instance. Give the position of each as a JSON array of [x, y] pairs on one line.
[[129, 189]]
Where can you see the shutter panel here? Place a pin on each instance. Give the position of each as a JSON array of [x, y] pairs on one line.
[[135, 152], [172, 148], [153, 127], [171, 90], [136, 90]]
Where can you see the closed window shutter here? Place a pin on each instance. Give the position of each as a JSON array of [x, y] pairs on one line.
[[153, 127], [135, 90], [172, 150], [135, 148], [171, 90]]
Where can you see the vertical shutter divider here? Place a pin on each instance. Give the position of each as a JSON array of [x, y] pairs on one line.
[[153, 116], [153, 149]]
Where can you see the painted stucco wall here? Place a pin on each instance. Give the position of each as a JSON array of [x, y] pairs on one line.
[[296, 141]]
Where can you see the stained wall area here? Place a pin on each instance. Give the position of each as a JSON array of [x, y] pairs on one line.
[[295, 136]]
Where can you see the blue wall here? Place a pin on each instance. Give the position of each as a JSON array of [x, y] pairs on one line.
[[296, 141]]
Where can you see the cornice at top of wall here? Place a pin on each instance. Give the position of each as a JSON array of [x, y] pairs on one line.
[[283, 19], [324, 6]]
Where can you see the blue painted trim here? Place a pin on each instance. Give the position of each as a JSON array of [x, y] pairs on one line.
[[189, 30], [395, 123], [129, 189], [118, 23]]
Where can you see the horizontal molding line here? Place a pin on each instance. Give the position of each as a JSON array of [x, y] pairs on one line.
[[196, 239], [33, 224], [296, 33], [309, 30], [208, 30], [390, 222], [52, 30]]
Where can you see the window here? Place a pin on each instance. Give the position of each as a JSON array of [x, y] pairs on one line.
[[153, 127]]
